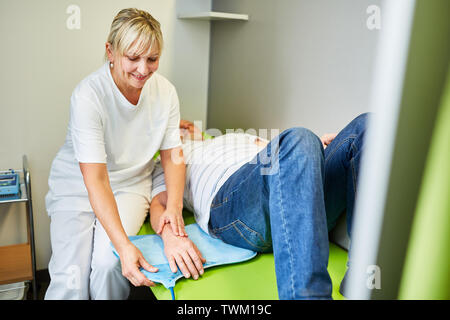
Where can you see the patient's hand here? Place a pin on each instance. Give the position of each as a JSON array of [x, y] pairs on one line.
[[189, 131], [183, 252], [260, 142], [327, 139]]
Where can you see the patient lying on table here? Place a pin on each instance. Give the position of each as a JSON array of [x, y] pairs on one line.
[[281, 196]]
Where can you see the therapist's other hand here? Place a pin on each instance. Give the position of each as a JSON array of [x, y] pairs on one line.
[[182, 252], [327, 139], [175, 219], [131, 259]]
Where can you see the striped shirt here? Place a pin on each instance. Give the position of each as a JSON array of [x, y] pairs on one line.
[[209, 164]]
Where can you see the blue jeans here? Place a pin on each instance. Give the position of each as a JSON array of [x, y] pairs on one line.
[[285, 201]]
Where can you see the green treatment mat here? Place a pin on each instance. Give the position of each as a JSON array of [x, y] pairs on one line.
[[249, 280]]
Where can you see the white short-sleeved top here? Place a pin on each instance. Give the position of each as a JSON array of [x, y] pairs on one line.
[[104, 127]]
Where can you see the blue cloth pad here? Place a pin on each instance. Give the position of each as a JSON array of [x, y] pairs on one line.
[[215, 251]]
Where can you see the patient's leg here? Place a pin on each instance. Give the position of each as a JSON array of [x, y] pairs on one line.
[[342, 160], [279, 204]]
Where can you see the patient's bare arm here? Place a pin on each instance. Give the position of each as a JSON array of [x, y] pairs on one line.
[[157, 207]]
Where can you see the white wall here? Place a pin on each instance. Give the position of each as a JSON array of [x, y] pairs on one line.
[[294, 63], [41, 62]]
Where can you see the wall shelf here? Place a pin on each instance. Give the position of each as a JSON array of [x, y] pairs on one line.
[[213, 15]]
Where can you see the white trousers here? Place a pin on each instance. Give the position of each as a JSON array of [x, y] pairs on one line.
[[82, 265]]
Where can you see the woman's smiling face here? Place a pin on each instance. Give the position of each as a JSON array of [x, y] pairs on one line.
[[135, 70], [132, 70]]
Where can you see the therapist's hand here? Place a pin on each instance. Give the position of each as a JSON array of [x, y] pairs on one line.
[[175, 219], [131, 259], [183, 252]]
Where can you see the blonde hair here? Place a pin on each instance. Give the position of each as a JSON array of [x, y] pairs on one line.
[[136, 31]]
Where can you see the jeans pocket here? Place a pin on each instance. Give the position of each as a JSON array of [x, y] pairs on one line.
[[239, 234], [220, 199], [216, 203]]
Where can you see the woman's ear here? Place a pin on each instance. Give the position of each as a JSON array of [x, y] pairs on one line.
[[109, 52]]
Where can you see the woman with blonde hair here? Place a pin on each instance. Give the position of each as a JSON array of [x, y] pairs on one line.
[[100, 179]]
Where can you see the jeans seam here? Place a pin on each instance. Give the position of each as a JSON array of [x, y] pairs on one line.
[[233, 224], [352, 136], [284, 234], [217, 205], [352, 164]]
